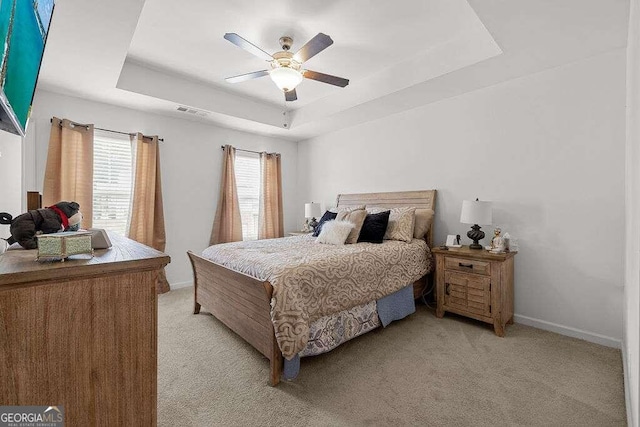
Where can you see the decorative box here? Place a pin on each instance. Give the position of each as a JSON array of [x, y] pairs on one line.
[[62, 245]]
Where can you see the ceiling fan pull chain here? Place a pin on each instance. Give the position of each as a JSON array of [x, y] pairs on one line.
[[284, 114]]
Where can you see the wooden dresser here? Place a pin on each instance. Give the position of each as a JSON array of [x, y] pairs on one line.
[[82, 334], [476, 284]]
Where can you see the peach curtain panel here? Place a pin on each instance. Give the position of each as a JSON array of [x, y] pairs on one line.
[[69, 172], [227, 224], [271, 221], [147, 213]]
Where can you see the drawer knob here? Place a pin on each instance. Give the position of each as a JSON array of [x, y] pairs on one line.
[[460, 264], [447, 288]]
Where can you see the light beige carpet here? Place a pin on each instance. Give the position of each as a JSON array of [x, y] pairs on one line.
[[418, 371]]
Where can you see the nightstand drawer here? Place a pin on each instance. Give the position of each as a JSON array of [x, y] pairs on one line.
[[467, 265], [467, 292]]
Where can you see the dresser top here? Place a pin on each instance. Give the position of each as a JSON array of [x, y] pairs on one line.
[[465, 252], [20, 266]]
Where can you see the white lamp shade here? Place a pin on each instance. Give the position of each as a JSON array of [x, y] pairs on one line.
[[312, 210], [285, 78], [476, 212]]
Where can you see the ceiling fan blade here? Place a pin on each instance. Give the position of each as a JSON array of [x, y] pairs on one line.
[[326, 78], [248, 76], [314, 46], [249, 47], [291, 95]]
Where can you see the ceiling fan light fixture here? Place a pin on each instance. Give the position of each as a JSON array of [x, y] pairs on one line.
[[285, 78]]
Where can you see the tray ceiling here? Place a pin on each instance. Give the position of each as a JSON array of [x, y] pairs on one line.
[[156, 56], [368, 37]]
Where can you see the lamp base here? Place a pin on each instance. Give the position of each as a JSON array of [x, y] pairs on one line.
[[310, 225], [475, 234], [313, 223]]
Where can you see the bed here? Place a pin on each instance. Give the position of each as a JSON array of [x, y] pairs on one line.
[[239, 296]]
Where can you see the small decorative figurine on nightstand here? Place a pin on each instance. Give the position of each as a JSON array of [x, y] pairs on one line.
[[497, 243], [507, 242]]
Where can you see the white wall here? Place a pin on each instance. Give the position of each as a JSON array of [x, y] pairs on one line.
[[547, 148], [631, 355], [10, 177], [190, 161]]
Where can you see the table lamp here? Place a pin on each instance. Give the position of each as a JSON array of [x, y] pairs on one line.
[[475, 212], [311, 211]]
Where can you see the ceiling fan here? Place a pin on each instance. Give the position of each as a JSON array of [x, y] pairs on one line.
[[286, 68]]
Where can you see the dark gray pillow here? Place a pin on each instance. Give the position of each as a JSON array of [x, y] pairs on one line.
[[374, 227], [328, 216]]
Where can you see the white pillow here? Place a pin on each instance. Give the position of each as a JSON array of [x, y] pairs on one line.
[[335, 232]]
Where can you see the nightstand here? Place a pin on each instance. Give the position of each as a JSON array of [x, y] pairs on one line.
[[299, 233], [475, 283]]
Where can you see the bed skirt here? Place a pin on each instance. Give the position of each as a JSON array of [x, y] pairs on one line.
[[330, 331]]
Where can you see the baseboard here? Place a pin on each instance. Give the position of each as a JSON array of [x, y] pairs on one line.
[[179, 285], [568, 331]]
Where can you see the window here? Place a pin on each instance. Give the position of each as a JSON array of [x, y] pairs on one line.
[[112, 181], [248, 183]]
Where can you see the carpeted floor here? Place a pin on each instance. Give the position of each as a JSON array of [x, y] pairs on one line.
[[418, 371]]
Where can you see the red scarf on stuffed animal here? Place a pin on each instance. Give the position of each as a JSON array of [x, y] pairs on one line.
[[63, 216]]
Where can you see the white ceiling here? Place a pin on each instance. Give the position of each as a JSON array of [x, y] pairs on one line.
[[155, 56], [367, 38]]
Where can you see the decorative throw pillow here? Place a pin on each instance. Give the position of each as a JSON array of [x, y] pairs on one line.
[[424, 217], [374, 227], [348, 208], [335, 232], [401, 222], [357, 218], [328, 216]]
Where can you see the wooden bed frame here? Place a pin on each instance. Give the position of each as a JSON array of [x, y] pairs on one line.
[[242, 302]]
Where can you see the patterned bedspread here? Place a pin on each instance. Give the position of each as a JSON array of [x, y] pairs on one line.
[[311, 280]]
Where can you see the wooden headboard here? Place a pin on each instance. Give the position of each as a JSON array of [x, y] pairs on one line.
[[425, 199]]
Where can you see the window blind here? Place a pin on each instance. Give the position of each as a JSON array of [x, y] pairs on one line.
[[247, 167], [112, 182]]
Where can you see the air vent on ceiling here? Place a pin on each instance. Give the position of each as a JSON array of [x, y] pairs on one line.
[[191, 110]]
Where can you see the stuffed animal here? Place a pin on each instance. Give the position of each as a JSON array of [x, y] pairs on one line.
[[63, 216]]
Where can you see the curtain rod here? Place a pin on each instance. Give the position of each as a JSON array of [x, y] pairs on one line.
[[250, 151], [106, 130]]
